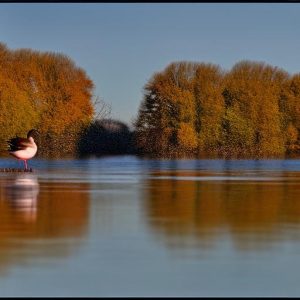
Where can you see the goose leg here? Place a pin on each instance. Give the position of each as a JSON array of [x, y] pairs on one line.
[[25, 163]]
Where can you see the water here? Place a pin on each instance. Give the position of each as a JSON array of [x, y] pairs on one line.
[[122, 226]]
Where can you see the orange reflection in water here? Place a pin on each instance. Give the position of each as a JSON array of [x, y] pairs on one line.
[[254, 213], [32, 213]]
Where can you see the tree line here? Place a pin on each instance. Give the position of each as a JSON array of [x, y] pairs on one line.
[[48, 92], [199, 110], [189, 109]]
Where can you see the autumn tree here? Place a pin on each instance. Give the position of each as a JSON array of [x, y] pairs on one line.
[[165, 123], [252, 124], [200, 110], [290, 107], [209, 107], [17, 112], [47, 91]]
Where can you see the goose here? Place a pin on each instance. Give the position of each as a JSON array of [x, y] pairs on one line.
[[23, 148]]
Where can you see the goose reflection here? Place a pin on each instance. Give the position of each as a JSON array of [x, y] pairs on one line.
[[35, 214], [22, 194]]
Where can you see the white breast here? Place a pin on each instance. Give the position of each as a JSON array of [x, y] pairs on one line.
[[27, 153]]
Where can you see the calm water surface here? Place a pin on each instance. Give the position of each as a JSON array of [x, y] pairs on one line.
[[123, 226]]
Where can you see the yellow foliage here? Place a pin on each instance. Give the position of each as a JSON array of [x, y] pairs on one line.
[[292, 134], [43, 90], [242, 112], [187, 136]]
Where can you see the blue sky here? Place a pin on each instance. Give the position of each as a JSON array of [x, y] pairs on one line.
[[121, 45]]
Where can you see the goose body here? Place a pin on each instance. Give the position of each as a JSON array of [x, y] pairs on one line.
[[23, 148]]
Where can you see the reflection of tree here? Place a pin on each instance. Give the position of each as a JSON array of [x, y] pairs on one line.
[[253, 212], [33, 226]]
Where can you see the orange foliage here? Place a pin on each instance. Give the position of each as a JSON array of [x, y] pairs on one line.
[[245, 112], [46, 91]]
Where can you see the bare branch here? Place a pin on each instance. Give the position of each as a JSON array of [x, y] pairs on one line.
[[102, 109]]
